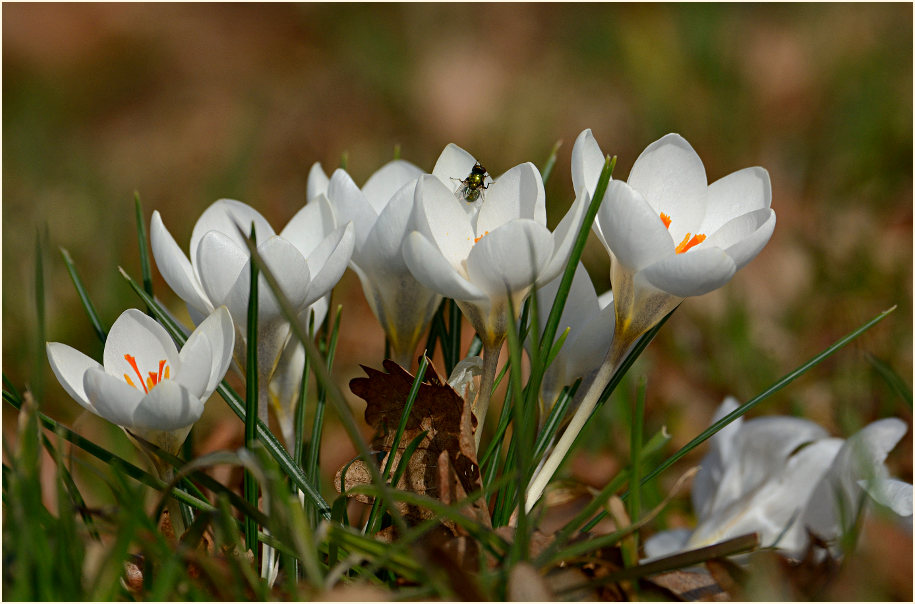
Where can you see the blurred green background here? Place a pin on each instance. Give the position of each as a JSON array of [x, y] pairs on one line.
[[189, 103]]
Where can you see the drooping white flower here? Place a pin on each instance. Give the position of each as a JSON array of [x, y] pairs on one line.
[[669, 233], [589, 320], [145, 385], [489, 252], [780, 476], [308, 258], [381, 213]]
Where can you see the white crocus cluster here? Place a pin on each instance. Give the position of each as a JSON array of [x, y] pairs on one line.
[[781, 476], [308, 258], [144, 384]]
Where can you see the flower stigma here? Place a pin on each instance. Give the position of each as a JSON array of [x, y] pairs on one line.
[[689, 241], [154, 377]]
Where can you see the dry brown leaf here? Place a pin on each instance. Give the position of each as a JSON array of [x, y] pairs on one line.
[[690, 586], [444, 465]]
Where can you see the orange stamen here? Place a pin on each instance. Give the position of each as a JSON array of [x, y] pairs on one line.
[[477, 240], [666, 220], [133, 363], [687, 243]]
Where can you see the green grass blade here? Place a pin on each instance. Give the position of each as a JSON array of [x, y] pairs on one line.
[[892, 379], [778, 385], [100, 331], [145, 269], [550, 162], [317, 428], [251, 403], [634, 502]]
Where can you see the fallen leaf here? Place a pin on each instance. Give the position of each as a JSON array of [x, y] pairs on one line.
[[444, 465]]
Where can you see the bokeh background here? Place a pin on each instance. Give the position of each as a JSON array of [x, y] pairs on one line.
[[189, 103]]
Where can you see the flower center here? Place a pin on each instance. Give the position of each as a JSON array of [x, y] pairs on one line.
[[154, 377], [689, 241], [477, 239]]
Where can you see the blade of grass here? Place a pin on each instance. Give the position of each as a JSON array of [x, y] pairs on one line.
[[145, 269], [634, 503], [550, 162], [251, 404], [317, 429], [100, 331]]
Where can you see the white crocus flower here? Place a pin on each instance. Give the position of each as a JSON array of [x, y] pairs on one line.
[[145, 385], [670, 235], [308, 258], [381, 213], [485, 253], [779, 476], [586, 317]]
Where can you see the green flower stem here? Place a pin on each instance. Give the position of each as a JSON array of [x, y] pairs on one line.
[[490, 364]]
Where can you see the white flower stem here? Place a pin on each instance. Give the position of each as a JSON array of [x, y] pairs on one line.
[[481, 406], [579, 419]]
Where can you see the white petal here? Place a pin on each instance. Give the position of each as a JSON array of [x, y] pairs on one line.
[[310, 225], [220, 332], [317, 182], [564, 239], [328, 262], [665, 543], [136, 334], [587, 163], [169, 406], [291, 272], [382, 250], [69, 365], [196, 363], [112, 398], [440, 217], [351, 205], [391, 177], [510, 258], [432, 269], [453, 163], [693, 273], [174, 266], [633, 230], [226, 216], [892, 493], [516, 194], [737, 193], [671, 177], [745, 236], [219, 262]]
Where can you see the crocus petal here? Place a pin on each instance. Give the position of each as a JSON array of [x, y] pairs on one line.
[[745, 236], [138, 335], [440, 217], [112, 398], [220, 261], [694, 273], [328, 261], [892, 493], [527, 243], [665, 543], [310, 225], [220, 333], [290, 270], [564, 237], [382, 185], [737, 193], [453, 164], [196, 363], [721, 447], [317, 182], [69, 365], [433, 270], [587, 163], [174, 266], [633, 230], [382, 252], [351, 205], [169, 406], [227, 216], [671, 177], [516, 194]]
